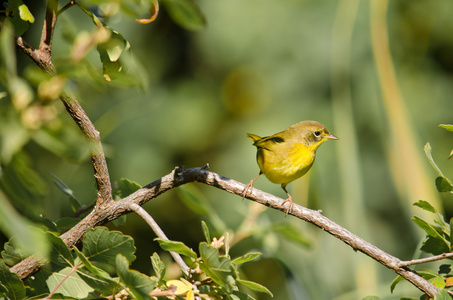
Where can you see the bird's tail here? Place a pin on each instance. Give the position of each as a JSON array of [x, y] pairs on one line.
[[253, 137]]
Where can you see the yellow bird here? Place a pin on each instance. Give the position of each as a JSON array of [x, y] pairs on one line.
[[288, 155]]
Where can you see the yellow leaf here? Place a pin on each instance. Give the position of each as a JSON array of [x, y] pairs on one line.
[[449, 281], [190, 295], [179, 287]]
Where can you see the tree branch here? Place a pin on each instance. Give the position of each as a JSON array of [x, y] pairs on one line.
[[45, 46], [159, 232], [107, 210], [426, 259], [101, 173], [42, 57], [181, 176]]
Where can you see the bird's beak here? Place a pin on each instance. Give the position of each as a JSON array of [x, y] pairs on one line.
[[331, 137]]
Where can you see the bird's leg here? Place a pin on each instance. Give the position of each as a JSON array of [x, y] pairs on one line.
[[248, 188], [289, 199]]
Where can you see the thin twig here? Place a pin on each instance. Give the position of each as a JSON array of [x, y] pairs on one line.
[[68, 5], [426, 259], [159, 232], [74, 269], [181, 176], [42, 57]]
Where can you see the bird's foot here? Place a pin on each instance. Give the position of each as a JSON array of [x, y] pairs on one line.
[[291, 203], [247, 189]]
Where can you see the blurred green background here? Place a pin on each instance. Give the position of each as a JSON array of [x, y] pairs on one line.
[[258, 67]]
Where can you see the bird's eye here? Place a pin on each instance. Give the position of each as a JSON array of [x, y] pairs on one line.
[[317, 133]]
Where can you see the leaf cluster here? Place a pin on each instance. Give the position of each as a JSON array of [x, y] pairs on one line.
[[215, 275], [101, 269], [71, 273], [439, 234]]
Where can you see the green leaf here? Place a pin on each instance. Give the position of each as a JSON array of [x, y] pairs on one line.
[[89, 266], [59, 252], [12, 254], [177, 247], [139, 284], [424, 274], [70, 286], [443, 295], [449, 127], [29, 239], [290, 232], [23, 186], [185, 13], [428, 153], [119, 63], [95, 277], [121, 221], [3, 290], [427, 275], [206, 233], [371, 298], [195, 200], [25, 14], [246, 258], [435, 243], [158, 266], [127, 187], [255, 286], [238, 295], [428, 228], [435, 246], [443, 184], [102, 245], [65, 223], [438, 282], [110, 53], [15, 289], [100, 284], [36, 284], [75, 204], [395, 282], [426, 206], [220, 269]]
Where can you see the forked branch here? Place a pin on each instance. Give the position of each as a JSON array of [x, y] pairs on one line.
[[181, 176], [42, 57], [107, 210]]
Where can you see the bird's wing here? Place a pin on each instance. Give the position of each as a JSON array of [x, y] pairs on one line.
[[268, 142]]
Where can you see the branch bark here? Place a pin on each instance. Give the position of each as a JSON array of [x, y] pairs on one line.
[[181, 176], [159, 233], [101, 173], [107, 210], [426, 259], [42, 57]]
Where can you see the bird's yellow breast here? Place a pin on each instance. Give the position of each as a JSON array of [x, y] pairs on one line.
[[285, 162]]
